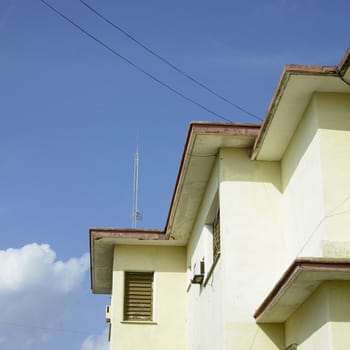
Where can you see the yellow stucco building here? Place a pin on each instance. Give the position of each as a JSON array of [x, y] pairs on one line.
[[255, 254]]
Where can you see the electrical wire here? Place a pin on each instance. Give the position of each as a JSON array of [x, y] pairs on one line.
[[177, 69], [149, 75], [332, 213]]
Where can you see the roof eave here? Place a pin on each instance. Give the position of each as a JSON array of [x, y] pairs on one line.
[[288, 71], [275, 309], [203, 129], [111, 236], [102, 241], [344, 64]]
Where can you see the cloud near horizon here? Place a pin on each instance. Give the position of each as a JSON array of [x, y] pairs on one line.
[[36, 292]]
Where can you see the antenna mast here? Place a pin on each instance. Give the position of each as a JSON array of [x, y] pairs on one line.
[[136, 215]]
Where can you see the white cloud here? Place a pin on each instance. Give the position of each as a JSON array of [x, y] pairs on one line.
[[96, 342], [36, 291]]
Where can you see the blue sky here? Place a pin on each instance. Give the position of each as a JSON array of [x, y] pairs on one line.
[[69, 115]]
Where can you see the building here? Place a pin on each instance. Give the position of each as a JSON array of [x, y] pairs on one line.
[[255, 254]]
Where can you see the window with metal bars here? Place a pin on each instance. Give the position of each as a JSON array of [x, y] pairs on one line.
[[216, 236], [138, 296]]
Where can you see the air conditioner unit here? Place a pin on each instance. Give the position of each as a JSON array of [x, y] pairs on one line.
[[108, 313], [198, 272]]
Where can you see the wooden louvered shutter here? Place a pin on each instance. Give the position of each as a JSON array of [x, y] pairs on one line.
[[138, 296]]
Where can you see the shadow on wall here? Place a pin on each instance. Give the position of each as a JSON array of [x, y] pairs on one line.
[[150, 258], [240, 168], [275, 332], [328, 306]]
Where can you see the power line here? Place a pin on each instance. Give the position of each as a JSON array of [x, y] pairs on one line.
[[177, 69], [100, 42]]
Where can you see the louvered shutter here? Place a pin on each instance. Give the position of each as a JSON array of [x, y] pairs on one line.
[[138, 297]]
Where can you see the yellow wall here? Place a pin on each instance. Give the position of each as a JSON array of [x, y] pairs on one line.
[[220, 314], [302, 182], [323, 321], [271, 212], [252, 246], [333, 111], [168, 329], [315, 179], [316, 200], [205, 304], [339, 309], [308, 326]]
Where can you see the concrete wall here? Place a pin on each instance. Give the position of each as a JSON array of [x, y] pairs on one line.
[[253, 247], [339, 310], [323, 321], [315, 180], [168, 329], [221, 312], [308, 326], [333, 112], [270, 213], [302, 182], [204, 304], [316, 203]]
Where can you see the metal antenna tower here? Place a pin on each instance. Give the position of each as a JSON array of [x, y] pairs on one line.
[[136, 215]]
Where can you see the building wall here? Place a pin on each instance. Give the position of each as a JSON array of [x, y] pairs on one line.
[[253, 247], [303, 198], [168, 329], [333, 112], [323, 320], [316, 203], [339, 309], [270, 213], [309, 326], [315, 173], [205, 304], [220, 312]]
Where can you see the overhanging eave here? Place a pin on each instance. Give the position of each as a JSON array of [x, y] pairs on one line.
[[295, 286]]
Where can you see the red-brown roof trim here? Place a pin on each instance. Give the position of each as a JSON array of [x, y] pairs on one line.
[[288, 70], [127, 233], [295, 69], [98, 233], [311, 264]]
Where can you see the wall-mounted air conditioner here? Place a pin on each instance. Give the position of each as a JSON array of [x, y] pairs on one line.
[[108, 313], [198, 272]]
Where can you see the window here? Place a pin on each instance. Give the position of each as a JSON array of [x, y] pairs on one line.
[[216, 236], [138, 296]]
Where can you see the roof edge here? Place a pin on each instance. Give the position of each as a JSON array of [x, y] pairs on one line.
[[296, 69], [105, 232], [197, 127], [344, 63], [211, 128], [288, 71], [96, 234], [313, 264]]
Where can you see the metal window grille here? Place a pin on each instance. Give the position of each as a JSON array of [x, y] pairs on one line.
[[138, 296], [216, 236]]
